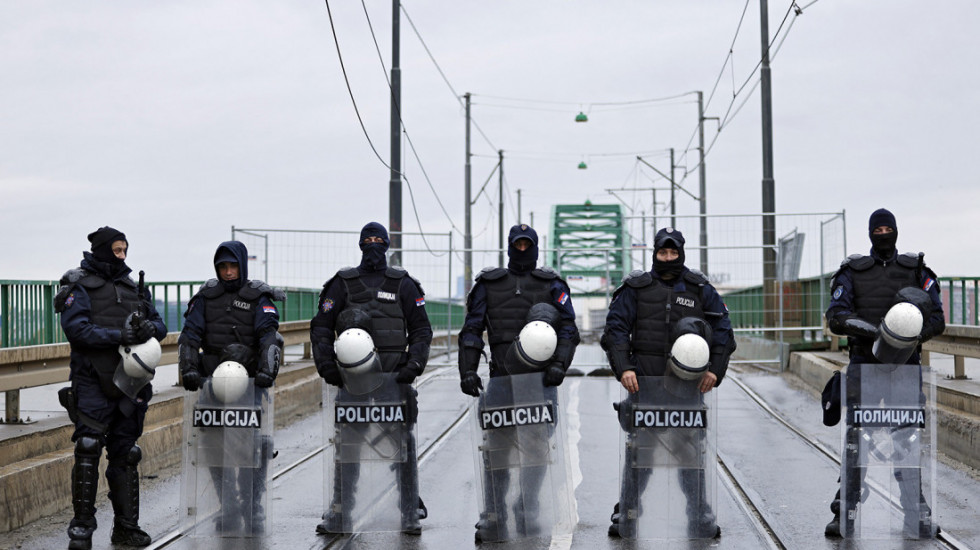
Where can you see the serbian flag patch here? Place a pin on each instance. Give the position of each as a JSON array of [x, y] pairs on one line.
[[420, 301], [269, 309], [928, 284], [563, 298]]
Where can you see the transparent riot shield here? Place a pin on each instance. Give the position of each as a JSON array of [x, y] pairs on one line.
[[226, 474], [522, 460], [370, 461], [668, 483], [889, 466]]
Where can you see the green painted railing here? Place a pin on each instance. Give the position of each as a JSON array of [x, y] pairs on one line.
[[805, 302], [27, 316], [960, 299]]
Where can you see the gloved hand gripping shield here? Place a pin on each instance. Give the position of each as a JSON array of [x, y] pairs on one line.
[[228, 443], [370, 461], [522, 460], [889, 467], [669, 448]]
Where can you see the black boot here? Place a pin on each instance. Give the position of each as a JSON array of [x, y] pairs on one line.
[[345, 476], [252, 485], [700, 518], [124, 493], [84, 487], [229, 518]]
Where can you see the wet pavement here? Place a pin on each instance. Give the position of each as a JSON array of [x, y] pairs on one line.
[[787, 481]]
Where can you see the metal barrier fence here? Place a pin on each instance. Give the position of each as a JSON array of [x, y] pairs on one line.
[[27, 316]]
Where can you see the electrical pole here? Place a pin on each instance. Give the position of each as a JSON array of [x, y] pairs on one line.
[[702, 188], [395, 183], [768, 183], [673, 203], [518, 206], [468, 232], [500, 207]]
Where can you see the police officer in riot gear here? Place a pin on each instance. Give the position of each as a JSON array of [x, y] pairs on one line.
[[641, 326], [101, 309], [400, 329], [862, 292], [233, 318], [503, 301]]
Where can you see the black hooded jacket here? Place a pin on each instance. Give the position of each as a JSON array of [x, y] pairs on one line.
[[230, 312]]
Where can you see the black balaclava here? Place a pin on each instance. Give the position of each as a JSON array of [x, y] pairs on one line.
[[522, 261], [373, 254], [668, 237], [102, 239], [232, 252], [883, 246]]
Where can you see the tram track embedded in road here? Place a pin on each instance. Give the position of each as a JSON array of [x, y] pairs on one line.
[[754, 512]]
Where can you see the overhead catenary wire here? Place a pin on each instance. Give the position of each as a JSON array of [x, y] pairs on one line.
[[442, 73], [408, 139]]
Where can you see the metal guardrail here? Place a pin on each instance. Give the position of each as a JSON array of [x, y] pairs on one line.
[[31, 366], [960, 341]]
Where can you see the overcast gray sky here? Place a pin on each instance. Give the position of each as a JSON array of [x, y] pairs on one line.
[[173, 121]]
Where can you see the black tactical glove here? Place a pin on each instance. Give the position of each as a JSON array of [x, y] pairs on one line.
[[263, 380], [189, 361], [553, 375], [136, 330], [859, 327], [270, 357], [330, 374], [191, 380], [408, 372], [471, 384], [145, 330]]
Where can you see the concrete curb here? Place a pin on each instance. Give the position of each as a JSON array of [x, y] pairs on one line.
[[35, 472]]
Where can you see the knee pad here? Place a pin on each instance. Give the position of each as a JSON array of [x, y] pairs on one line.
[[133, 456], [88, 447]]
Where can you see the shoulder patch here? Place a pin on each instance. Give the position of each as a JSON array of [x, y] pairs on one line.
[[491, 273], [65, 298], [638, 278]]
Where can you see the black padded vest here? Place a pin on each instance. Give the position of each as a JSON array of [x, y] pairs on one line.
[[388, 327], [509, 297], [876, 284], [112, 303], [230, 319], [658, 307]]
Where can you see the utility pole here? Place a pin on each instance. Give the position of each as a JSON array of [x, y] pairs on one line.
[[500, 207], [768, 183], [702, 187], [519, 206], [467, 228], [395, 183], [673, 203]]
